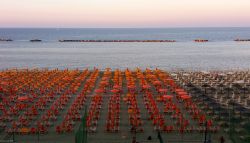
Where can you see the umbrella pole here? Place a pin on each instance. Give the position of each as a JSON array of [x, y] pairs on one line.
[[205, 140], [13, 136]]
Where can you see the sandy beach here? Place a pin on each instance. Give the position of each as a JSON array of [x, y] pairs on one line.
[[122, 104]]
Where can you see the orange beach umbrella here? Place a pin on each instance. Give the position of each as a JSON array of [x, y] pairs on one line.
[[184, 97], [167, 97], [23, 98]]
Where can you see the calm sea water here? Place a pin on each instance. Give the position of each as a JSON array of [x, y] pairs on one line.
[[222, 53]]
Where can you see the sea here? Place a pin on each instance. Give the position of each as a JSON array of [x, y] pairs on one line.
[[220, 53]]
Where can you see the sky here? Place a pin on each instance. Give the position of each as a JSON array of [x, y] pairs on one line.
[[124, 13]]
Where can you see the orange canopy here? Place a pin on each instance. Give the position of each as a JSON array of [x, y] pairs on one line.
[[115, 90], [23, 98], [116, 86], [185, 97], [163, 90], [182, 93], [131, 86], [167, 97], [24, 130], [146, 86], [104, 82], [99, 90], [157, 82]]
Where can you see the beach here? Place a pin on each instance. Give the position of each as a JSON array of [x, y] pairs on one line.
[[122, 104]]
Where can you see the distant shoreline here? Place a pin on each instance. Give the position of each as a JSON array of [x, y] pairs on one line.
[[178, 34], [122, 41], [117, 40]]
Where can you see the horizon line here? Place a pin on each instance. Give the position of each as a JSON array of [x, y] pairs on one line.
[[123, 27]]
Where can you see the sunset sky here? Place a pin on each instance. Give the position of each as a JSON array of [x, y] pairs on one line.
[[125, 13]]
